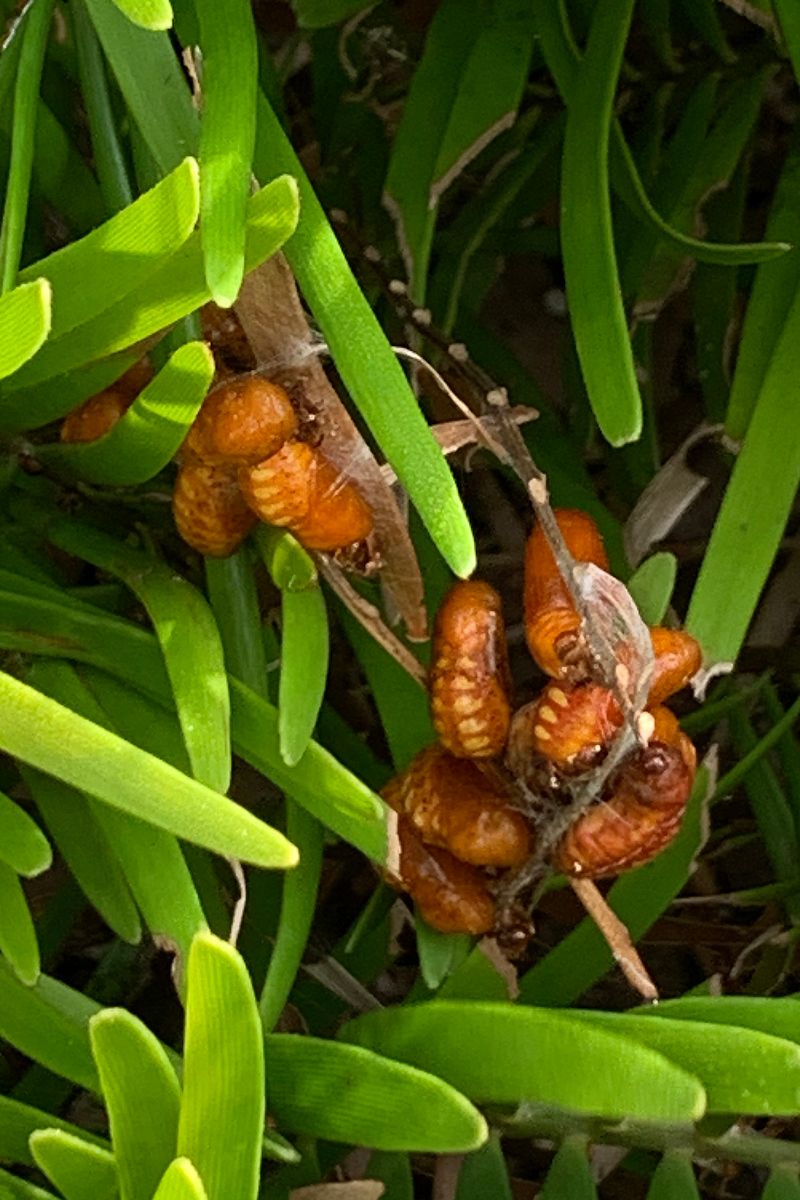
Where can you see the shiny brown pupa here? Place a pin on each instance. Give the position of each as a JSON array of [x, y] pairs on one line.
[[470, 682], [452, 804], [552, 623], [677, 658], [571, 726], [451, 895], [299, 489], [242, 420], [639, 815], [209, 511]]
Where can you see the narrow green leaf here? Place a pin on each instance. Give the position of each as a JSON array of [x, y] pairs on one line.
[[304, 669], [563, 59], [783, 1184], [94, 273], [465, 91], [189, 639], [484, 1173], [176, 288], [233, 597], [24, 323], [364, 358], [150, 859], [538, 1056], [180, 1182], [750, 524], [145, 66], [222, 1112], [50, 737], [775, 287], [23, 846], [326, 789], [150, 433], [439, 953], [349, 1094], [297, 913], [570, 1174], [12, 1188], [142, 1098], [107, 146], [227, 138], [17, 933], [673, 1178], [291, 568], [87, 851], [652, 585], [23, 136], [779, 1017], [150, 14], [593, 290], [80, 1170], [17, 1123], [742, 1071], [49, 1023]]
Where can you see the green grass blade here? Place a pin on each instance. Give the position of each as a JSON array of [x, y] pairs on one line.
[[570, 1174], [24, 323], [393, 1170], [149, 434], [563, 59], [78, 1169], [297, 913], [750, 524], [593, 290], [26, 104], [539, 1056], [153, 861], [234, 600], [91, 275], [49, 1023], [783, 1184], [465, 91], [12, 1188], [673, 1178], [789, 19], [107, 149], [57, 741], [87, 851], [23, 846], [349, 1094], [150, 14], [484, 1173], [638, 899], [364, 358], [331, 793], [742, 1070], [652, 585], [227, 138], [322, 785], [142, 1098], [775, 287], [18, 1121], [175, 289], [189, 640], [304, 669], [180, 1182], [145, 66], [222, 1110], [17, 933]]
